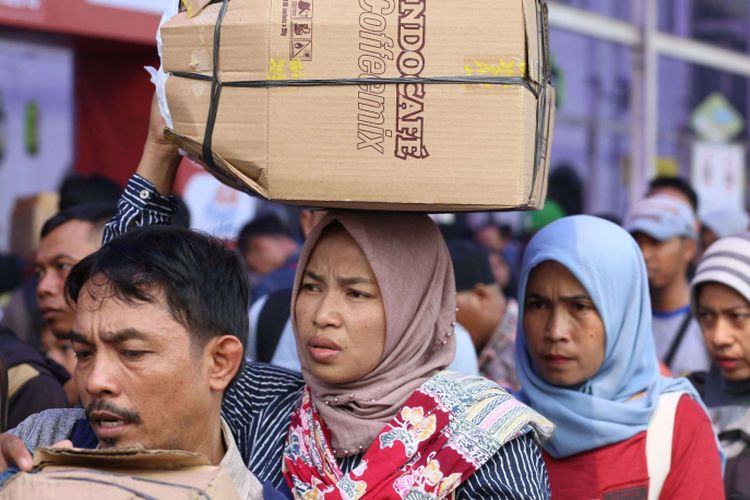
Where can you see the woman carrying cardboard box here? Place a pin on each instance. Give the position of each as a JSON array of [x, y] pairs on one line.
[[373, 313]]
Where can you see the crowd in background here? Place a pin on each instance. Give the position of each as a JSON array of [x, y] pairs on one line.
[[632, 302]]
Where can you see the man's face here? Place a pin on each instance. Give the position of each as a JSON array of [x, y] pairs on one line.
[[141, 380], [58, 252], [480, 311], [267, 253], [666, 261]]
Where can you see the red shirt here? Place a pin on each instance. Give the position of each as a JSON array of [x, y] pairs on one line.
[[619, 471]]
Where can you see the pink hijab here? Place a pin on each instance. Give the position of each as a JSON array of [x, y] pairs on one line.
[[412, 265]]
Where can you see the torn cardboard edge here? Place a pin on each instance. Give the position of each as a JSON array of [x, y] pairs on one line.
[[121, 458]]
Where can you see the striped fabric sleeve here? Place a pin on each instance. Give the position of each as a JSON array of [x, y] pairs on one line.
[[517, 471], [258, 408], [139, 205]]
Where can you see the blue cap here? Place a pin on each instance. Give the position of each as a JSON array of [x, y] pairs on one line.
[[662, 217]]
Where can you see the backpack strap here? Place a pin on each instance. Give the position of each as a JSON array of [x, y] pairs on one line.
[[659, 442], [271, 322], [677, 341], [18, 376]]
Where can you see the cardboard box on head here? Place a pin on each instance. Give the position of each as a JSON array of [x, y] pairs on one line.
[[73, 473], [375, 104]]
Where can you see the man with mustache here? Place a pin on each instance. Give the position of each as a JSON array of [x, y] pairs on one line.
[[159, 334]]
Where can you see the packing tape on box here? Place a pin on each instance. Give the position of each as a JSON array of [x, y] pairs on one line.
[[539, 90]]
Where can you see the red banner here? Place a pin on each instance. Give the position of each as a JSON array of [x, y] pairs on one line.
[[79, 17]]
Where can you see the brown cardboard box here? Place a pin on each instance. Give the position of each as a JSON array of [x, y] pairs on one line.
[[452, 143], [62, 474], [29, 215]]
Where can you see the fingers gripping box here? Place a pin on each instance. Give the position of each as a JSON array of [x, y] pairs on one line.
[[425, 105]]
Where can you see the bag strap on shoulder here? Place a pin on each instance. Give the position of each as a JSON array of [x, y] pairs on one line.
[[659, 442], [677, 341], [19, 376]]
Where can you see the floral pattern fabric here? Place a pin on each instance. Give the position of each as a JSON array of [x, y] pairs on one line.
[[445, 431]]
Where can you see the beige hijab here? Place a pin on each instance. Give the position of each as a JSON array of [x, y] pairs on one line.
[[413, 268]]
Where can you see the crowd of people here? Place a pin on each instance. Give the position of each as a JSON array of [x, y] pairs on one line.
[[389, 356]]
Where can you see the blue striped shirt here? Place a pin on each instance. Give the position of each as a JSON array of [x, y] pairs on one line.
[[259, 405]]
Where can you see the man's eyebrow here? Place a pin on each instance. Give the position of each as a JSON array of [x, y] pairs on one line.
[[123, 335], [57, 257], [111, 337], [78, 338]]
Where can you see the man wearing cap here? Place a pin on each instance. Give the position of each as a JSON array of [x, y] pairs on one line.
[[664, 228]]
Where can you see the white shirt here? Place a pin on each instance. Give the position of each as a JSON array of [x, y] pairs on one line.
[[247, 485]]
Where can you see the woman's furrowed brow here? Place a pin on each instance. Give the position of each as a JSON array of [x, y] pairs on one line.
[[312, 275], [354, 280]]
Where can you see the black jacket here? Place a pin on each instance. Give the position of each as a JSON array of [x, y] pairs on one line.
[[43, 390]]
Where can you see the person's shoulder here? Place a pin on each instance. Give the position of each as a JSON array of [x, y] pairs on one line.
[[488, 406], [47, 427], [259, 382], [516, 470], [690, 410], [270, 377], [54, 416], [698, 380]]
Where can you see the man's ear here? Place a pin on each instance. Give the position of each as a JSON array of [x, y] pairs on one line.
[[227, 357]]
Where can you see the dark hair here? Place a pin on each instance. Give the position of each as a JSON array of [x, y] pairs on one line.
[[471, 264], [265, 225], [202, 281], [678, 183], [79, 189], [565, 187], [182, 216], [95, 213]]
